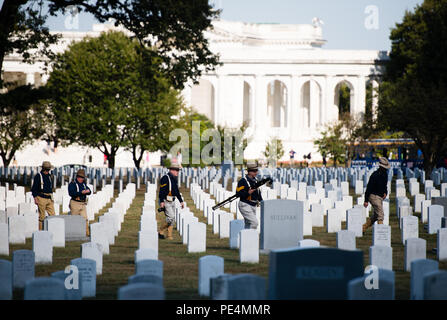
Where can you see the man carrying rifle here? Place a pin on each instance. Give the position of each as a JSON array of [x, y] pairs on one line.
[[249, 197]]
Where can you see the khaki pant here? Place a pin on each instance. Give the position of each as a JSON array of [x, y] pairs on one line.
[[80, 209], [249, 214], [377, 204], [44, 205]]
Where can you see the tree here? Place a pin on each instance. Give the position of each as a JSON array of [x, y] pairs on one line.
[[332, 142], [194, 137], [353, 131], [149, 126], [22, 30], [107, 95], [413, 96], [175, 28], [274, 150], [22, 120], [344, 100], [237, 139]]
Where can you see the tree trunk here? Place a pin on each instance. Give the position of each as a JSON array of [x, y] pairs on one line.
[[111, 160], [5, 160], [429, 152], [429, 163], [137, 159]]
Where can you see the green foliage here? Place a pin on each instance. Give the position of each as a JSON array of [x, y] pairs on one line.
[[23, 30], [175, 28], [412, 99], [185, 122], [238, 140], [274, 150], [107, 96], [332, 142], [344, 100], [22, 120]]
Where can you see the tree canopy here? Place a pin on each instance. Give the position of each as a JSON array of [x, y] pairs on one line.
[[107, 95], [22, 120], [413, 96], [274, 150], [174, 28]]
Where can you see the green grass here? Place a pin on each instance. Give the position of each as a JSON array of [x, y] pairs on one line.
[[181, 267]]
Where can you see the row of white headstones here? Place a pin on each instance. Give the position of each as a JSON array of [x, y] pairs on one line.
[[23, 223], [193, 235], [103, 234], [380, 251]]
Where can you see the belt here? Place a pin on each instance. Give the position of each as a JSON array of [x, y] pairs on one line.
[[251, 203], [83, 201], [45, 195]]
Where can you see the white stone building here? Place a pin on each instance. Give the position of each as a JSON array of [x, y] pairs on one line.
[[277, 78]]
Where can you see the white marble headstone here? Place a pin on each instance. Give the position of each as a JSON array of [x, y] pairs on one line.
[[43, 247]]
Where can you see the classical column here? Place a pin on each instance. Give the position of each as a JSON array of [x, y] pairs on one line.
[[375, 99], [293, 121], [314, 105], [30, 80], [218, 98], [327, 102], [45, 77], [360, 96], [252, 105], [261, 120]]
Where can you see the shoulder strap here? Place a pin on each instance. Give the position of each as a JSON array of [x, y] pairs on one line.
[[41, 181], [169, 181]]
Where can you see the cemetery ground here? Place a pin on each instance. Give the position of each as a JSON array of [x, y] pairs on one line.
[[181, 268]]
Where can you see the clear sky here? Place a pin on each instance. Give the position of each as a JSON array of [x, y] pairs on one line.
[[346, 24]]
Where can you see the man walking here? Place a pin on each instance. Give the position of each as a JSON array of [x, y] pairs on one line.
[[78, 191], [376, 192], [168, 193], [42, 191], [249, 198]]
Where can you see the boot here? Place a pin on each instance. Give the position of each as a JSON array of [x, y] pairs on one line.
[[367, 225], [161, 233], [170, 232]]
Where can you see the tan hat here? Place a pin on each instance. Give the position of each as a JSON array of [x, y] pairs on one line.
[[252, 166], [46, 165], [384, 163], [81, 173], [174, 166]]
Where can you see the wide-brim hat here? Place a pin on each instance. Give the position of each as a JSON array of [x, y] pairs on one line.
[[46, 165], [81, 173], [174, 166], [384, 163], [252, 166]]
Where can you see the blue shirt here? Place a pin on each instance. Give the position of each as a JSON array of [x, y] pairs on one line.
[[75, 190]]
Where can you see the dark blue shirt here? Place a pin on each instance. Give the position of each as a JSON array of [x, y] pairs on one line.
[[75, 190], [164, 188], [37, 190], [242, 190], [377, 184]]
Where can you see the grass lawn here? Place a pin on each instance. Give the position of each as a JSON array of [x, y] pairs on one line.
[[181, 268]]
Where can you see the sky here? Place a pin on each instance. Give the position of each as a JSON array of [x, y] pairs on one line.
[[348, 24]]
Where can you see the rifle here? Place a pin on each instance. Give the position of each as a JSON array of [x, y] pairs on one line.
[[235, 196]]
